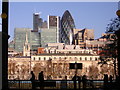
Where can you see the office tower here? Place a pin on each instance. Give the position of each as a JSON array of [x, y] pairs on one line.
[[20, 35], [19, 38], [67, 26], [54, 22], [48, 36], [37, 21], [81, 35]]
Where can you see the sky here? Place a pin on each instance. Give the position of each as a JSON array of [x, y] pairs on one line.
[[90, 15]]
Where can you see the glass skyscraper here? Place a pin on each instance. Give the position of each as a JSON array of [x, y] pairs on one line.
[[67, 26], [19, 38]]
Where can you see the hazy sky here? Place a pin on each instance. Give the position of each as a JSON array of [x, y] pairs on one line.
[[91, 15]]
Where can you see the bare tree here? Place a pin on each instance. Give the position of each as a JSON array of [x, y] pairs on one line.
[[93, 72]]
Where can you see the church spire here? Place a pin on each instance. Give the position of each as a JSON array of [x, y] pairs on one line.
[[26, 47], [26, 38]]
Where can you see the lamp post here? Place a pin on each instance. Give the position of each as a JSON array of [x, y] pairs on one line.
[[5, 6], [118, 46]]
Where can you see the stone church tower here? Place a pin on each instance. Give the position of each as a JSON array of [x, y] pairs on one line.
[[26, 47]]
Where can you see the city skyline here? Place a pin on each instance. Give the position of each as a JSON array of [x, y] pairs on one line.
[[100, 14]]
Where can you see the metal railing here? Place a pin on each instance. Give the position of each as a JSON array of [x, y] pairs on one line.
[[60, 84]]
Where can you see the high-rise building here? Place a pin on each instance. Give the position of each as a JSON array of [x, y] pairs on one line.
[[20, 37], [54, 22], [48, 36], [37, 21], [81, 35], [67, 26]]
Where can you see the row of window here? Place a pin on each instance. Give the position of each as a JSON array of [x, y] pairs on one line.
[[91, 58]]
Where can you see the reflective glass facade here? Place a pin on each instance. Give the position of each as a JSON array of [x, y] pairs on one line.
[[48, 36], [19, 38], [67, 26]]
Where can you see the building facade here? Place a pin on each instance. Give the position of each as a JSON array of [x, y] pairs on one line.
[[67, 26], [81, 35], [37, 21], [48, 36], [19, 38], [55, 66], [55, 61]]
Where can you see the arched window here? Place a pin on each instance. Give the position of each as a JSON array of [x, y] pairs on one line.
[[34, 58], [59, 58], [90, 58], [75, 58], [39, 58], [44, 58], [80, 58], [96, 59]]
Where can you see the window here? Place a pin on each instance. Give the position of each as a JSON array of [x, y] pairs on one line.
[[65, 58], [39, 58], [90, 58], [60, 76], [75, 58], [44, 58], [85, 58], [80, 58], [59, 58], [34, 58], [96, 59]]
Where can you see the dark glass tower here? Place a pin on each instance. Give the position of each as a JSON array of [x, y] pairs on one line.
[[67, 26]]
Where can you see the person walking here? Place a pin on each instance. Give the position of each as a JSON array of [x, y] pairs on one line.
[[74, 81], [79, 81], [84, 80], [41, 80], [32, 79], [105, 81]]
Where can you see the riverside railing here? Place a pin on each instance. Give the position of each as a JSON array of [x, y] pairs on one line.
[[60, 84]]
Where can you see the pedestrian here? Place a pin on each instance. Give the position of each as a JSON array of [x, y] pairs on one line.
[[79, 81], [84, 80], [111, 78], [74, 80], [32, 79], [41, 80], [105, 81]]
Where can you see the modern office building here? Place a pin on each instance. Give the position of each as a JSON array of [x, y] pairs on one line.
[[54, 22], [41, 34], [81, 35], [38, 22], [67, 26], [51, 33], [20, 36], [48, 36], [35, 40]]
